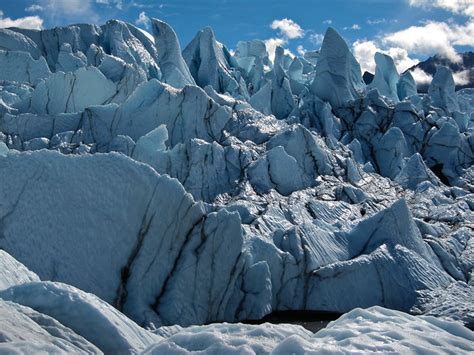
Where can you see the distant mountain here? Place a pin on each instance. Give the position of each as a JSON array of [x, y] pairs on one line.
[[429, 67]]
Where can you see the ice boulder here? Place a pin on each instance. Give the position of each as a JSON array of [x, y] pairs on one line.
[[390, 276], [72, 92], [442, 90], [150, 144], [209, 64], [84, 313], [415, 172], [390, 152], [279, 171], [69, 61], [338, 76], [262, 99], [393, 226], [386, 77], [21, 67], [406, 86], [130, 44], [282, 101], [81, 250], [254, 48], [11, 40], [187, 113], [173, 67]]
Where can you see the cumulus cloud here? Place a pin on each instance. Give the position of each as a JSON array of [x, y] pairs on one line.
[[364, 51], [421, 77], [434, 38], [117, 3], [462, 7], [34, 8], [301, 50], [316, 38], [271, 45], [67, 11], [354, 27], [143, 19], [30, 22], [427, 39], [288, 28], [380, 21], [461, 78], [327, 22]]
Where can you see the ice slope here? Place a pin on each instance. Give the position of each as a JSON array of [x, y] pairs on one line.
[[83, 313], [150, 247], [209, 186], [23, 331], [360, 331], [13, 272], [57, 318], [173, 67]]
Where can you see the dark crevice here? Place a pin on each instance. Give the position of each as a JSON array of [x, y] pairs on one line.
[[438, 171], [311, 320]]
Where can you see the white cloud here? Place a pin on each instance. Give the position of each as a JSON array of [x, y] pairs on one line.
[[271, 45], [67, 11], [301, 50], [65, 7], [380, 21], [30, 22], [327, 22], [364, 51], [316, 38], [421, 77], [401, 58], [143, 19], [288, 28], [461, 78], [354, 27], [34, 8], [434, 38], [118, 3], [462, 7]]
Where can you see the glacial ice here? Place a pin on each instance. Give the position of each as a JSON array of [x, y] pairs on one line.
[[386, 77], [338, 77], [406, 86], [442, 90], [206, 186], [173, 67], [91, 318], [13, 272]]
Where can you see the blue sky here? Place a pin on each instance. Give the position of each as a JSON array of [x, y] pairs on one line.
[[409, 30]]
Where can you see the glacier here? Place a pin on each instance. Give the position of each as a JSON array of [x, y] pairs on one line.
[[156, 200]]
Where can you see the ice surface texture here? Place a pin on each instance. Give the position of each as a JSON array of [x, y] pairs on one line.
[[151, 187]]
